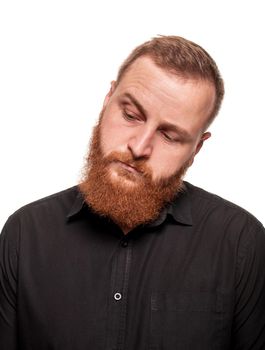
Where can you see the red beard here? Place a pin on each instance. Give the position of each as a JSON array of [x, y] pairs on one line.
[[128, 205]]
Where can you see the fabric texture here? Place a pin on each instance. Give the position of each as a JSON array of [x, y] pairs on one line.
[[192, 279]]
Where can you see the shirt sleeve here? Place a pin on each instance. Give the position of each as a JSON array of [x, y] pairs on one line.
[[8, 284], [249, 317]]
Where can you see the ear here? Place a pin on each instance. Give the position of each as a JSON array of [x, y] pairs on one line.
[[110, 93], [204, 137]]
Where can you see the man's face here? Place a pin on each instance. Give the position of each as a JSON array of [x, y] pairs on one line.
[[156, 117], [149, 131]]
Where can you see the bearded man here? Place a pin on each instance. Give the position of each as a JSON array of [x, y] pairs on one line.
[[134, 257]]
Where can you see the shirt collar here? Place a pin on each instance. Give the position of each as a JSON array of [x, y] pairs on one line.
[[77, 206], [179, 209]]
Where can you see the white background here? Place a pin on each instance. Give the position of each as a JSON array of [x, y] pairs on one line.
[[58, 57]]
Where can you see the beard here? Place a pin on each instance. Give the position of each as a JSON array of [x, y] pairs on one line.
[[131, 199]]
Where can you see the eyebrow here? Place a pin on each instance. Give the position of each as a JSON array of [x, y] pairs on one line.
[[180, 131], [136, 103], [164, 125]]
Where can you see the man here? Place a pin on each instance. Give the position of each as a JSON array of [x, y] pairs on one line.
[[134, 258]]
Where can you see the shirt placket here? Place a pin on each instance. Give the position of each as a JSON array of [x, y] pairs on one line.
[[118, 298]]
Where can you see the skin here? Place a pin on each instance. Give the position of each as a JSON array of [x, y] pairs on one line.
[[157, 117]]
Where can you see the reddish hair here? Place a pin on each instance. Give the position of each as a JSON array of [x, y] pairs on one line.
[[181, 57]]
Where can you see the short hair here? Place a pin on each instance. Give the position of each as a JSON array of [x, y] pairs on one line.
[[182, 57]]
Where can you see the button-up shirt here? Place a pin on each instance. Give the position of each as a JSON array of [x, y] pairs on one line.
[[192, 279]]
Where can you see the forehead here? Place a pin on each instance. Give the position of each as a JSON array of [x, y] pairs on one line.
[[166, 95]]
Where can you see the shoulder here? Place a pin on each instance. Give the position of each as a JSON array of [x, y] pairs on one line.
[[62, 199], [42, 210], [221, 215], [202, 201]]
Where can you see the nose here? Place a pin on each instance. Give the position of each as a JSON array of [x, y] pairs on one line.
[[141, 143]]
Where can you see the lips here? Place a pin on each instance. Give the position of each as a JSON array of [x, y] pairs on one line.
[[130, 167]]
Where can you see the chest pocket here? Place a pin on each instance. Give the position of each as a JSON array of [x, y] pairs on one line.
[[190, 321]]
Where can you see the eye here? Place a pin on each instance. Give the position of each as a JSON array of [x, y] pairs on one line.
[[168, 137], [130, 116]]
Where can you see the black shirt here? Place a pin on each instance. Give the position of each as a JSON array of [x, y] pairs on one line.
[[193, 279]]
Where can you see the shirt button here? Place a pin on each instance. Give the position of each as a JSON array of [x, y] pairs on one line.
[[117, 296], [124, 244]]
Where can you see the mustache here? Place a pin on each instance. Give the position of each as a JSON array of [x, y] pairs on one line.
[[127, 158]]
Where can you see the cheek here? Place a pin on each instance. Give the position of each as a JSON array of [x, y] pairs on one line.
[[163, 168], [113, 137], [166, 162]]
